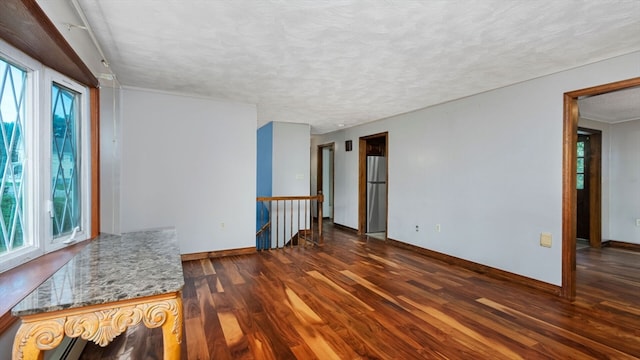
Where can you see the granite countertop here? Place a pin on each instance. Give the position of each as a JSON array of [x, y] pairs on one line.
[[111, 268]]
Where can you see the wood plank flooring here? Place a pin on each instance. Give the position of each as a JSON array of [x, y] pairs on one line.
[[363, 299]]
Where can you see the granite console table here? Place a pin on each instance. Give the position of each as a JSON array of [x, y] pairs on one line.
[[115, 282]]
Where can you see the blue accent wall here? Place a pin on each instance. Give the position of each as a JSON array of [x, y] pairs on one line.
[[264, 181], [265, 160]]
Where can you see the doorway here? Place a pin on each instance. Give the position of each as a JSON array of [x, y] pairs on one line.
[[589, 188], [325, 178], [569, 179], [373, 185], [582, 188]]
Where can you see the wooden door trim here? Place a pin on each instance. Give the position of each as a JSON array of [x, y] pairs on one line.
[[570, 138], [595, 190], [362, 186], [362, 179], [594, 185], [94, 95], [320, 169]]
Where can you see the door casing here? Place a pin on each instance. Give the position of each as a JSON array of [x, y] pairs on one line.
[[582, 196], [319, 174], [362, 178], [570, 141], [594, 186]]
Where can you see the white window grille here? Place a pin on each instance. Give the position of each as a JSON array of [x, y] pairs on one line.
[[44, 159]]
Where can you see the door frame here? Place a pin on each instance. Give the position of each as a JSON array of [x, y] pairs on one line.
[[362, 180], [320, 169], [594, 185], [569, 158]]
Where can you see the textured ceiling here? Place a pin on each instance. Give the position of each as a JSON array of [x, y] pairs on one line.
[[334, 62], [612, 107]]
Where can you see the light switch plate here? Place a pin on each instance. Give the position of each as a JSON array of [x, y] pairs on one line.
[[545, 239]]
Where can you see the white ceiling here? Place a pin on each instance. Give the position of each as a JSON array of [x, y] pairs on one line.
[[332, 62], [612, 107]]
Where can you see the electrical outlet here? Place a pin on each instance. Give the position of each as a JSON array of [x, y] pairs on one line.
[[545, 240], [417, 228]]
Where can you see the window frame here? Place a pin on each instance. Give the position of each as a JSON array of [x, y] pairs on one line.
[[32, 224], [54, 243], [580, 184], [38, 231]]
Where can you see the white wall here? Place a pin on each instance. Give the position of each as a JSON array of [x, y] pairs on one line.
[[291, 170], [625, 181], [487, 168], [191, 163], [620, 179], [110, 159], [291, 161]]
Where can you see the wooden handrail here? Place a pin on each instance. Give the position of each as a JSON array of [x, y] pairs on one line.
[[263, 228], [276, 217], [318, 197]]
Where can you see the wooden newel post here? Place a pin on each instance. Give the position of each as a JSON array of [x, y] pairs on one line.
[[320, 200]]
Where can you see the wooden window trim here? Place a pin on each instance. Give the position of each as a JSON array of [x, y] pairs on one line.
[[24, 25], [33, 273]]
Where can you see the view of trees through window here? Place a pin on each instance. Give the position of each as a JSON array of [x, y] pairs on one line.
[[12, 117], [580, 167], [64, 160], [43, 144]]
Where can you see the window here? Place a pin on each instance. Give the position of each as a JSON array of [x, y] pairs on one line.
[[66, 209], [44, 159], [13, 83], [580, 166]]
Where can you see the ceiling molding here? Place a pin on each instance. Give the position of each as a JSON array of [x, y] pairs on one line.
[[592, 117]]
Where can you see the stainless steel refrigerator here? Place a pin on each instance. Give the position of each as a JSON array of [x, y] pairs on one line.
[[376, 194]]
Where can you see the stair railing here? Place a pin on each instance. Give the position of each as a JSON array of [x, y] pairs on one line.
[[288, 221]]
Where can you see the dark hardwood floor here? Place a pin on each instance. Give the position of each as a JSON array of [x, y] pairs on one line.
[[361, 298]]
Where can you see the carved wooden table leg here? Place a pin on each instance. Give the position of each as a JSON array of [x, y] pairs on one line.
[[35, 337], [172, 332], [168, 315], [101, 324]]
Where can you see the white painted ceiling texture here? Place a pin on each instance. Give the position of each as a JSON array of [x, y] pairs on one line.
[[333, 62], [612, 107]]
